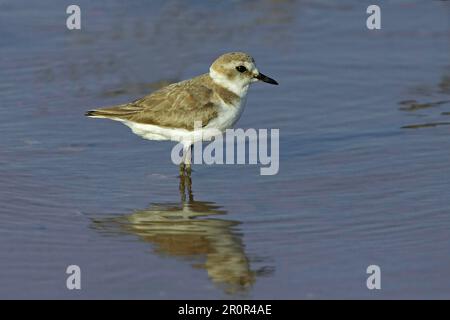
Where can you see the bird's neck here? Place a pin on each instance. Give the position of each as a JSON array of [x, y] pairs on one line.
[[236, 87]]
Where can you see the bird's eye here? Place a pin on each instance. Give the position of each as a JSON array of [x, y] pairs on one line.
[[241, 69]]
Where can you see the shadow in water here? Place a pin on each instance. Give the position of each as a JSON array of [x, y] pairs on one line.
[[187, 230]]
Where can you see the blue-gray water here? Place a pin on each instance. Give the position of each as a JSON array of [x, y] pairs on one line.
[[364, 144]]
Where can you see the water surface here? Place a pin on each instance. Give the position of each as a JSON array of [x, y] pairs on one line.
[[364, 153]]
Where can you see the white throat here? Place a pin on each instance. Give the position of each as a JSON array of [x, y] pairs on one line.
[[237, 87]]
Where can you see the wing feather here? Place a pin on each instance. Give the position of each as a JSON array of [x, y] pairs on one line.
[[178, 105]]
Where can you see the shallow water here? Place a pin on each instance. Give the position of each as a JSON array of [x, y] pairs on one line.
[[364, 153]]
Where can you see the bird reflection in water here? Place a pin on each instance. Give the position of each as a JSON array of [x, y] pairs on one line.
[[186, 230]]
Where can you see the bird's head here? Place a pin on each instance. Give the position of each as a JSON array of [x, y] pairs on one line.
[[235, 71]]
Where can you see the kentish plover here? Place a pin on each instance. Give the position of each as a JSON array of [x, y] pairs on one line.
[[215, 100]]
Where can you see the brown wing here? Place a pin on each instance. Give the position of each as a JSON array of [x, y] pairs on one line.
[[178, 105]]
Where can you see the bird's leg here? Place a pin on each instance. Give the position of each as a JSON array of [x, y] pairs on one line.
[[185, 174], [184, 161], [189, 187], [182, 168], [188, 170], [182, 186], [188, 159]]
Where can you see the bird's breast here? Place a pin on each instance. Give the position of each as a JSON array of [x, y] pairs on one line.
[[228, 115]]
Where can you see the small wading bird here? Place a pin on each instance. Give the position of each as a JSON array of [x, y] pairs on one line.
[[215, 99]]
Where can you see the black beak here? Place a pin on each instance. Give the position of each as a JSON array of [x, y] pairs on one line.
[[265, 78]]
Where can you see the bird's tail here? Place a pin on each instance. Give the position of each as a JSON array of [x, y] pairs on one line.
[[109, 113], [92, 113], [97, 114]]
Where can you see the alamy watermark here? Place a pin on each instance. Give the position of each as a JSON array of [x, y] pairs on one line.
[[263, 147], [374, 280], [73, 281], [73, 22], [373, 22]]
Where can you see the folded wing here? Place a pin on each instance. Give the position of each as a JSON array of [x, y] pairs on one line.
[[178, 105]]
